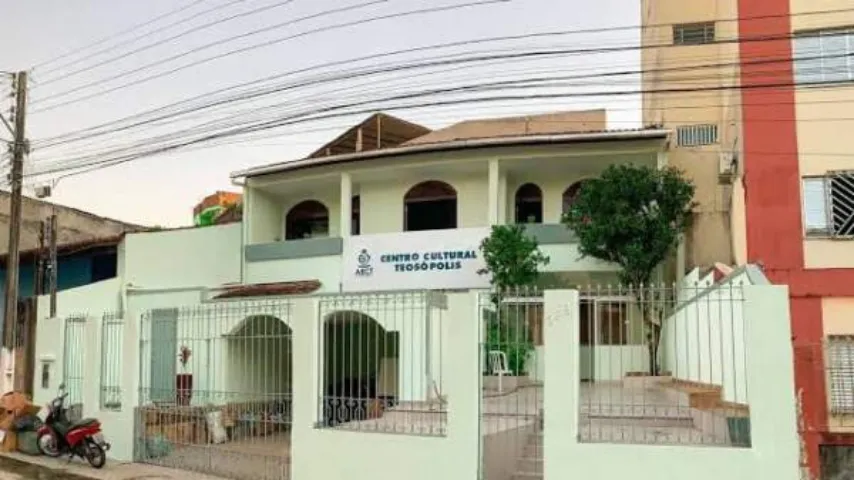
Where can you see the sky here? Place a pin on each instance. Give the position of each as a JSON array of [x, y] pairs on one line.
[[162, 189]]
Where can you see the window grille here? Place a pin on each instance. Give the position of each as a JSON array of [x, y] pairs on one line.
[[696, 135], [840, 359], [694, 33], [828, 204]]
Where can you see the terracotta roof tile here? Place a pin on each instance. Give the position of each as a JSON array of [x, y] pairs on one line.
[[302, 287]]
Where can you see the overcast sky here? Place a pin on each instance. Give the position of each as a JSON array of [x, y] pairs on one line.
[[163, 189]]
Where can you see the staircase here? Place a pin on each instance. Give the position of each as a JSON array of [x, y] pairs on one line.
[[530, 465]]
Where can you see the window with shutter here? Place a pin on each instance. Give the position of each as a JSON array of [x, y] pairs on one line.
[[824, 56], [840, 359]]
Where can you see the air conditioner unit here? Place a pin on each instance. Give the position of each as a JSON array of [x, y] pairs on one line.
[[727, 164], [43, 191]]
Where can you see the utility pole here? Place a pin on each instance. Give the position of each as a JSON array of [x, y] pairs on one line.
[[54, 264], [19, 149], [38, 278]]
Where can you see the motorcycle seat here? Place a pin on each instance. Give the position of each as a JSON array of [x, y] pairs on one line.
[[85, 422]]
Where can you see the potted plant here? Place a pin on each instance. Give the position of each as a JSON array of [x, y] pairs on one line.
[[184, 381]]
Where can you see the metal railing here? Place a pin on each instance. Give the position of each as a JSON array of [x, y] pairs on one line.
[[112, 341], [73, 362], [381, 363], [663, 365], [513, 374], [215, 391]]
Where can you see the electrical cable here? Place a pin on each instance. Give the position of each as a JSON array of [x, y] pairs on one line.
[[343, 25], [484, 40], [352, 74], [330, 112], [149, 46], [253, 47], [661, 25], [110, 37]]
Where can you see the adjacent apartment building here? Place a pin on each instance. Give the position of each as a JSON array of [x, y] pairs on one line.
[[759, 92]]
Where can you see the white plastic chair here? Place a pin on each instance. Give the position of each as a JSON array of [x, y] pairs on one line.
[[498, 366]]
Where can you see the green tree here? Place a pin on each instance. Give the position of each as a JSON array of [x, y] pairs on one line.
[[633, 216], [513, 260]]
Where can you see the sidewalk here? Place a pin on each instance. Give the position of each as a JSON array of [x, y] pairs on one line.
[[112, 470]]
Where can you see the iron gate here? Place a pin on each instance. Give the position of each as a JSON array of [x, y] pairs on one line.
[[511, 406], [215, 389]]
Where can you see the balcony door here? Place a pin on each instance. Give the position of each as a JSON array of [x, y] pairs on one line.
[[430, 205]]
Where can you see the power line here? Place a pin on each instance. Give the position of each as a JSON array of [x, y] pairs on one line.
[[484, 40], [573, 51], [349, 75], [149, 46], [605, 29], [122, 33], [330, 112], [254, 47]]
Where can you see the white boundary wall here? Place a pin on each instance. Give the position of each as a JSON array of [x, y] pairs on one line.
[[390, 456], [704, 340], [769, 370]]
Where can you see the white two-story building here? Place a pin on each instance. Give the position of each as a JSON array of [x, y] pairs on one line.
[[373, 224], [390, 205]]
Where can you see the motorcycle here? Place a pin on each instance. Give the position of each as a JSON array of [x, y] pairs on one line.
[[82, 438]]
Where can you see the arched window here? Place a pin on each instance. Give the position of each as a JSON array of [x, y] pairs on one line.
[[430, 205], [570, 194], [307, 219], [529, 204]]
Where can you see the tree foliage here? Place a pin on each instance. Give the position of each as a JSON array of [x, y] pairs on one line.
[[513, 259], [632, 216]]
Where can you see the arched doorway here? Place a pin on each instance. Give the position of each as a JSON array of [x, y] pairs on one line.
[[430, 205], [360, 367], [307, 219], [259, 361], [570, 194], [529, 204]]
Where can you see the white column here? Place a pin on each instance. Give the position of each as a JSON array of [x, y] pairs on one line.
[[345, 223], [502, 199], [561, 399], [494, 192]]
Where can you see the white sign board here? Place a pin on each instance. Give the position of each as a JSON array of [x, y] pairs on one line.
[[431, 260]]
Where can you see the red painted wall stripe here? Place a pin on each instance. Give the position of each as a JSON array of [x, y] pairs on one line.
[[772, 199], [771, 181]]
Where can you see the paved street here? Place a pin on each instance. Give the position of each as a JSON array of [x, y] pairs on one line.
[[14, 470], [14, 466]]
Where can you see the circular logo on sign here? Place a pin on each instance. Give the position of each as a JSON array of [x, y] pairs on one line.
[[364, 258]]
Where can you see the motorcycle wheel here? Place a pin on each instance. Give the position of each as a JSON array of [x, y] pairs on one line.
[[47, 445], [95, 454]]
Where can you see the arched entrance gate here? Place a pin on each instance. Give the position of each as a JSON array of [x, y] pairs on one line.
[[215, 389]]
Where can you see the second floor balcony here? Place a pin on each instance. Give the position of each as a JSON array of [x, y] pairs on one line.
[[298, 219]]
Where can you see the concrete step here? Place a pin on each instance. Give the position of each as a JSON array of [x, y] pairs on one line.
[[533, 452], [647, 435], [530, 464], [685, 421]]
